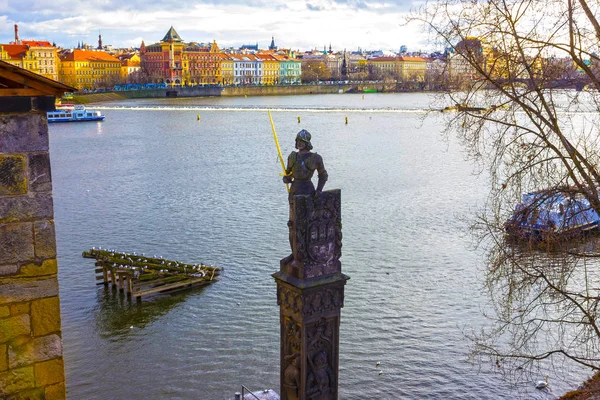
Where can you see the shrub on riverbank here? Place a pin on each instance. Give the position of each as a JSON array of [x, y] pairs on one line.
[[589, 390]]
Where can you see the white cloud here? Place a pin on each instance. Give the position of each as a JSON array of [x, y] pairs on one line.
[[296, 24]]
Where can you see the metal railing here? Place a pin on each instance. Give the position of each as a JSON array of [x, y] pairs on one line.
[[241, 396]]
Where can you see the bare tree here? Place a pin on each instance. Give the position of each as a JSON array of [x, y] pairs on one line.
[[523, 119], [314, 71]]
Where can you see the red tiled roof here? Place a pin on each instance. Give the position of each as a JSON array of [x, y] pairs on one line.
[[88, 55], [266, 56], [408, 58], [36, 43], [384, 59], [15, 51]]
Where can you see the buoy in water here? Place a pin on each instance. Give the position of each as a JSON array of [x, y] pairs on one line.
[[363, 96], [198, 117], [346, 120], [298, 119]]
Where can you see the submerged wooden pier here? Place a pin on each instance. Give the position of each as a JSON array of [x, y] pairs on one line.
[[138, 275]]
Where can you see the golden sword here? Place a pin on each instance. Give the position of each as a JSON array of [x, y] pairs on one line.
[[278, 148]]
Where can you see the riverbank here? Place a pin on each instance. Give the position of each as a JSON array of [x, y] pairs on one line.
[[233, 91], [588, 391]]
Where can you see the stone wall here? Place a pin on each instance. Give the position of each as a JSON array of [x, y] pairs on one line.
[[31, 362], [230, 91]]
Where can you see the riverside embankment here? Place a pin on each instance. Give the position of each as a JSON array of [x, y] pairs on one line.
[[231, 91]]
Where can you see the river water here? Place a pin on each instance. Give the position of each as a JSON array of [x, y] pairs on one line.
[[153, 178]]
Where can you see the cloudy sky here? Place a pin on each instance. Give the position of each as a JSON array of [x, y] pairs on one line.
[[295, 24]]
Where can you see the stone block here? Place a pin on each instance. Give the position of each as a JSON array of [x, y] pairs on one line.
[[45, 316], [3, 358], [17, 243], [40, 179], [46, 267], [8, 270], [16, 291], [13, 174], [4, 311], [56, 392], [14, 327], [33, 394], [45, 239], [49, 372], [16, 380], [19, 308], [21, 354], [26, 208], [23, 133]]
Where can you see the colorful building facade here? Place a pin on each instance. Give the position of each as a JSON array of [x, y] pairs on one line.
[[227, 71], [163, 61], [400, 67], [130, 65], [202, 64], [39, 57], [270, 69], [89, 69]]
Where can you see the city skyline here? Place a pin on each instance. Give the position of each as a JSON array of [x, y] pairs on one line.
[[298, 25]]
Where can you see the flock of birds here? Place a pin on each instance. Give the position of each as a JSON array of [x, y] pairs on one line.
[[196, 269]]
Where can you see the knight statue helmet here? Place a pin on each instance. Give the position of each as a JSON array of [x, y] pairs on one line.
[[304, 136]]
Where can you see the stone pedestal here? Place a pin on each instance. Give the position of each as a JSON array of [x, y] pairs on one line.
[[31, 361], [310, 293]]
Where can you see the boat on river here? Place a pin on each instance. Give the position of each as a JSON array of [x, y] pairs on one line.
[[544, 214], [73, 113]]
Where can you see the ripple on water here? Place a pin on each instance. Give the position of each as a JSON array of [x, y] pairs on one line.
[[159, 182]]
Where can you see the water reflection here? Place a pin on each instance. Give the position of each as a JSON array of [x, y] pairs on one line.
[[545, 309], [116, 314]]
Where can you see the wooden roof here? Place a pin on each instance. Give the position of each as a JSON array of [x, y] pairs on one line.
[[15, 81]]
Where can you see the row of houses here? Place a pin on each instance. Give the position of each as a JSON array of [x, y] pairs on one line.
[[175, 62]]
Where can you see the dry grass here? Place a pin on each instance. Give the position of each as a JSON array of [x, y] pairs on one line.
[[590, 390]]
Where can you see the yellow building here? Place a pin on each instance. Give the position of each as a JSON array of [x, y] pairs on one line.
[[86, 69], [130, 64], [270, 68], [385, 66], [227, 62], [201, 64], [39, 57], [405, 68], [413, 68]]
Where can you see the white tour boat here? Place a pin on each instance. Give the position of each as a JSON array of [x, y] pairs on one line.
[[73, 113]]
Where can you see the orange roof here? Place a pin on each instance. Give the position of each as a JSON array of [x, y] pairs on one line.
[[407, 58], [36, 43], [244, 57], [266, 56], [384, 59], [15, 51], [88, 55]]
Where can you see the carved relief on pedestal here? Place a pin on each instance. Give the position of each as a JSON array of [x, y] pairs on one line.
[[323, 301], [320, 376], [318, 233], [291, 359], [289, 299]]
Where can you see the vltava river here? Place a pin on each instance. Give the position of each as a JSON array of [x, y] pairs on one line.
[[152, 178]]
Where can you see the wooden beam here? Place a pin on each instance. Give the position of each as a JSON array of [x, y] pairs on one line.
[[22, 92], [32, 83]]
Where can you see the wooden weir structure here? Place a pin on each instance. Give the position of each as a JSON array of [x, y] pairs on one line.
[[138, 275]]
